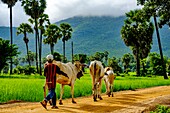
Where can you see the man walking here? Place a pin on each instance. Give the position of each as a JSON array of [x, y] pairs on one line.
[[50, 72]]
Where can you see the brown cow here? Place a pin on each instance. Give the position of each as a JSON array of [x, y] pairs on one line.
[[109, 80]]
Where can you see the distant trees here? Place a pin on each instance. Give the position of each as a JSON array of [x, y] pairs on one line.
[[126, 61], [113, 62], [137, 33], [7, 51]]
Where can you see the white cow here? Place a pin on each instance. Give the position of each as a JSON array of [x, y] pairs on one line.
[[73, 71], [109, 80], [97, 73]]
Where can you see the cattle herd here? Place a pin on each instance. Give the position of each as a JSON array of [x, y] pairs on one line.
[[74, 71]]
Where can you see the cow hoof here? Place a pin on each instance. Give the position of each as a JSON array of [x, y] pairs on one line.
[[74, 102], [95, 100], [60, 102], [100, 98]]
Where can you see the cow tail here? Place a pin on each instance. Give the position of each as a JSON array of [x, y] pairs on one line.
[[95, 69]]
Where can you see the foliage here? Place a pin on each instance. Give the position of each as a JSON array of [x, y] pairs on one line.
[[137, 33], [112, 62], [126, 59], [80, 57], [153, 8], [156, 63], [159, 8], [57, 56], [100, 56], [7, 51], [34, 8], [66, 30], [27, 70], [53, 34], [161, 109]]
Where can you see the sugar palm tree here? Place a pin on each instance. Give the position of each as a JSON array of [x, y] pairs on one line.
[[153, 9], [52, 33], [66, 34], [35, 8], [25, 28], [43, 22], [137, 33], [10, 4]]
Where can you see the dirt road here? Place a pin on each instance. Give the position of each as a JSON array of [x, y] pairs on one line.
[[138, 101]]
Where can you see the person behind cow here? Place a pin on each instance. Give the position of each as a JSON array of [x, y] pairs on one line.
[[50, 72]]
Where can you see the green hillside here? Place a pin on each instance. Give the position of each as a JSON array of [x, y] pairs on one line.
[[92, 34]]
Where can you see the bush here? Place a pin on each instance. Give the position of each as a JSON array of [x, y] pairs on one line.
[[19, 70], [161, 109], [28, 70]]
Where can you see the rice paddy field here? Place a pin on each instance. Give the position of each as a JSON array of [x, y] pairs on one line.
[[30, 88]]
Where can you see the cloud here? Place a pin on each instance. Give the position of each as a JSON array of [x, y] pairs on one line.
[[62, 9]]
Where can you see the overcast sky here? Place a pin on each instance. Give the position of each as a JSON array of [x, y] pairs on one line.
[[62, 9]]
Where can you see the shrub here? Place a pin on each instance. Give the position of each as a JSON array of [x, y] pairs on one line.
[[28, 70]]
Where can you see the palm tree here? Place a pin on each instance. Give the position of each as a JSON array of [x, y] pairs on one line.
[[158, 8], [137, 33], [35, 8], [10, 4], [43, 22], [52, 33], [25, 28], [66, 34]]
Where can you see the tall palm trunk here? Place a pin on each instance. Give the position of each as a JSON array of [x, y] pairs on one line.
[[160, 49], [36, 44], [40, 51], [52, 48], [64, 60], [11, 36], [72, 51], [137, 61], [28, 53]]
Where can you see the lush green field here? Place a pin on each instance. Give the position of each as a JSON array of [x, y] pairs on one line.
[[30, 88]]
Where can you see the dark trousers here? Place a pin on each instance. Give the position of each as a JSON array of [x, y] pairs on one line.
[[51, 95]]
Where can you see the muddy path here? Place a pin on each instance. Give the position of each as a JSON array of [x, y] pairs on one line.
[[138, 101]]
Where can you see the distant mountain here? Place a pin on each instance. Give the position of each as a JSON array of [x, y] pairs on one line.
[[92, 34]]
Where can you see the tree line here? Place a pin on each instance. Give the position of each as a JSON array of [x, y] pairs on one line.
[[137, 31], [41, 27]]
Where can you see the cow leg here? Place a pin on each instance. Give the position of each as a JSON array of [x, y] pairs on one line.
[[61, 94], [72, 93], [99, 90], [112, 88], [95, 92]]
